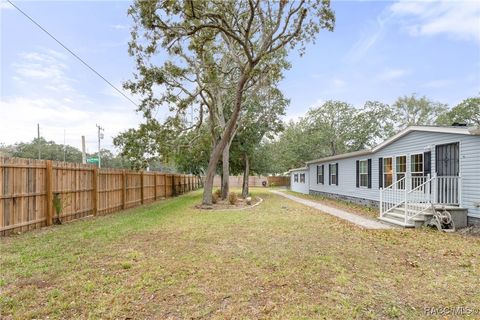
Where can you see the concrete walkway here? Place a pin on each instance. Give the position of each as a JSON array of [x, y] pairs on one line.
[[350, 217]]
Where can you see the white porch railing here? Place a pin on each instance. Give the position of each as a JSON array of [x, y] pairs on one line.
[[416, 194], [392, 196], [448, 190], [419, 197]]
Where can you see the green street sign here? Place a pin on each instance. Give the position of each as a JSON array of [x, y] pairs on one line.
[[92, 160]]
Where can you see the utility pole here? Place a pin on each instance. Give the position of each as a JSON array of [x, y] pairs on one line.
[[84, 155], [100, 137], [38, 140]]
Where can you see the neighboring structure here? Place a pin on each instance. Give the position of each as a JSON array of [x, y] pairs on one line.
[[405, 175], [299, 180]]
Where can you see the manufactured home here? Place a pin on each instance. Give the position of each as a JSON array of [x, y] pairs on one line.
[[410, 174], [299, 181]]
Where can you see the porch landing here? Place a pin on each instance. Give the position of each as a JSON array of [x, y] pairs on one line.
[[350, 217], [397, 216]]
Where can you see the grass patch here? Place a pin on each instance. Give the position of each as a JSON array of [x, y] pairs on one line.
[[279, 260]]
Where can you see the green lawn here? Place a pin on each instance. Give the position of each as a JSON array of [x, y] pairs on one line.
[[278, 260]]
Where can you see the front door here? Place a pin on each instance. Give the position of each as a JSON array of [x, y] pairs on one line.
[[447, 167]]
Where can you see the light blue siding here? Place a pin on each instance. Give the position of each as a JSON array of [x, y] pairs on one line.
[[412, 143], [300, 186]]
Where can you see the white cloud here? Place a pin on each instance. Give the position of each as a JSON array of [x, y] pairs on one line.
[[119, 26], [375, 33], [4, 5], [437, 83], [338, 83], [393, 74], [457, 19], [51, 98]]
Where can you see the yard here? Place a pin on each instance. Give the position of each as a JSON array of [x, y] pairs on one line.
[[278, 260]]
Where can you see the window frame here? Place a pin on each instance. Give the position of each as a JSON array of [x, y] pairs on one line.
[[295, 177], [385, 185], [320, 174], [397, 172], [302, 177], [330, 172], [364, 174], [412, 163], [417, 177]]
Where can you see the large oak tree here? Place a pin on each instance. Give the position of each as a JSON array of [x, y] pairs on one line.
[[181, 47]]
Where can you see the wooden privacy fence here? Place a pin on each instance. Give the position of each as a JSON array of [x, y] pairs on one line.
[[277, 181], [28, 188], [254, 181]]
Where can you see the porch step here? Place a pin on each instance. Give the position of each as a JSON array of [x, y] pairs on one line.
[[396, 221], [400, 213]]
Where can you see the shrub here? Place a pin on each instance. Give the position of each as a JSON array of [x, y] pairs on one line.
[[218, 193], [232, 197], [215, 198]]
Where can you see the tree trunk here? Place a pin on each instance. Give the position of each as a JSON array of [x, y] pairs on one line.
[[225, 139], [225, 171], [246, 174]]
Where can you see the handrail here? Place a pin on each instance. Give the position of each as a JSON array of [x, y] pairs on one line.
[[423, 184], [419, 193], [392, 196]]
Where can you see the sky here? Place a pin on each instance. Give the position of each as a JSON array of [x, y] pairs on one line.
[[379, 51]]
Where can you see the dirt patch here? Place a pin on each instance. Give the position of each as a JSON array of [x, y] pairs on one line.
[[40, 284], [470, 231], [225, 204]]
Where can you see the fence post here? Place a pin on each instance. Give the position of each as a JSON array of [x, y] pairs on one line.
[[49, 186], [155, 183], [95, 191], [165, 185], [124, 189], [174, 191], [142, 193]]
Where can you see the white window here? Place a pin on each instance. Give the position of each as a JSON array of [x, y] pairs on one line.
[[302, 177], [333, 173], [416, 168], [363, 173], [295, 177], [400, 170], [387, 172], [320, 174]]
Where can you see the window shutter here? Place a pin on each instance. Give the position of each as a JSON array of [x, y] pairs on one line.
[[323, 174], [358, 173], [317, 173], [329, 175], [369, 173], [380, 172], [427, 162], [336, 164]]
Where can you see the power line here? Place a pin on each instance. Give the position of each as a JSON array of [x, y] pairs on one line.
[[72, 53]]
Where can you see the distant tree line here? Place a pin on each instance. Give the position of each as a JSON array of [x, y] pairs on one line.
[[49, 150]]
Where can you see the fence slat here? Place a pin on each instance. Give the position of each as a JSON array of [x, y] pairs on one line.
[[95, 192], [48, 184], [27, 187]]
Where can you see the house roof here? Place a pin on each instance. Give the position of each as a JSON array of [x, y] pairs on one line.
[[440, 129], [298, 169]]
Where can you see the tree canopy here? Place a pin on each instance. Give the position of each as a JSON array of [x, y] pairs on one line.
[[214, 53]]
